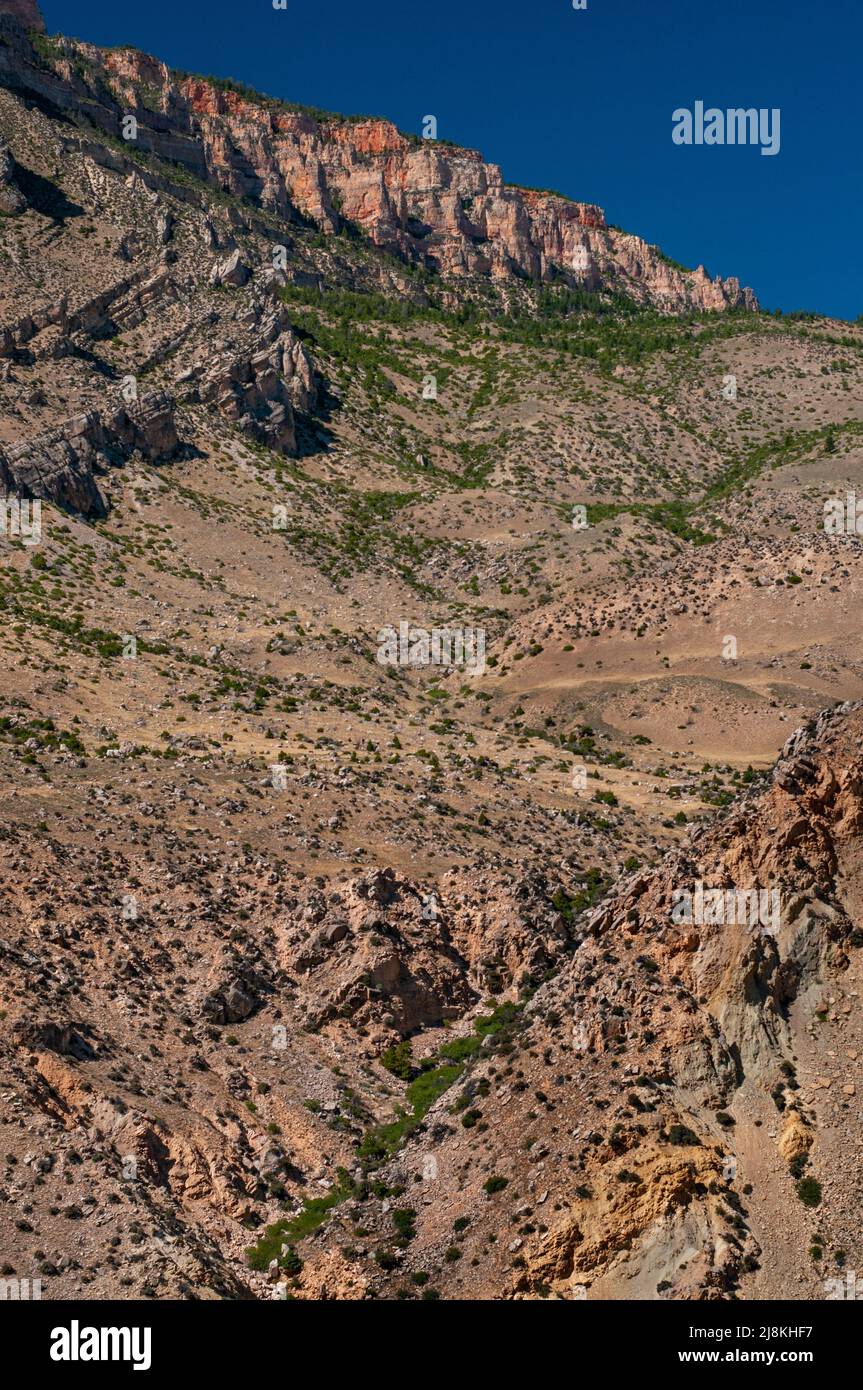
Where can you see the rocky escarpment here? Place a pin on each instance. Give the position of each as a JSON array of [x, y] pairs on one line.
[[430, 203], [201, 1067], [720, 1015], [56, 329], [394, 958], [25, 13], [258, 384], [61, 466], [672, 1103]]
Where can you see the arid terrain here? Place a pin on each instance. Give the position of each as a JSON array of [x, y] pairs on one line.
[[328, 977]]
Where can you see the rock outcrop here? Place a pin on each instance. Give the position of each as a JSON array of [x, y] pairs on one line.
[[12, 200], [120, 306], [61, 466], [666, 1089], [23, 12], [400, 958], [231, 271], [260, 386]]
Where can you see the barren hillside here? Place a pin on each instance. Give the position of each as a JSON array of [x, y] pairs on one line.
[[331, 975]]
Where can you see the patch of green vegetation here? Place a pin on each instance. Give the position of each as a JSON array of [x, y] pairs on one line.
[[543, 192], [425, 1089], [315, 1211], [495, 1184], [680, 1135], [43, 731], [594, 885], [380, 1142], [397, 1059], [809, 1192], [676, 516], [368, 532], [460, 1049], [669, 261], [501, 1022]]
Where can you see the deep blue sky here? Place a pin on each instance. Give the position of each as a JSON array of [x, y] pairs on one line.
[[580, 101]]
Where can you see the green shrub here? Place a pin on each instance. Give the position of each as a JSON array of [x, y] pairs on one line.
[[682, 1135], [315, 1211], [403, 1220], [495, 1184], [398, 1060], [809, 1192]]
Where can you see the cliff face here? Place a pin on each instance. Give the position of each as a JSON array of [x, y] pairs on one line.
[[432, 204], [690, 1076], [60, 466]]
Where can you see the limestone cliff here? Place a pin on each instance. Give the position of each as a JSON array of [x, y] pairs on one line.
[[430, 203]]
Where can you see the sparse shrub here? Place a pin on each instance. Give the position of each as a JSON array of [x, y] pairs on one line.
[[809, 1192], [495, 1184], [398, 1060], [681, 1135]]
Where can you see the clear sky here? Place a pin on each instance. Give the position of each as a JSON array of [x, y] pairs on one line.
[[580, 101]]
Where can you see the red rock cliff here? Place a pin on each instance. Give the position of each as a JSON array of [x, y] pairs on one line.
[[431, 203]]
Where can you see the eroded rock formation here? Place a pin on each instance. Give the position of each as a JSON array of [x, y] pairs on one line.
[[61, 466], [429, 202]]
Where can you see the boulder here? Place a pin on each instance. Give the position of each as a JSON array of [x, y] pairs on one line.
[[232, 1003], [231, 271]]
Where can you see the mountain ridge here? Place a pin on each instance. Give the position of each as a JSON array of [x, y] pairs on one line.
[[431, 203]]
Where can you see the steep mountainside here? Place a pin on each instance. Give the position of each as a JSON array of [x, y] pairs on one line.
[[330, 975], [677, 1113]]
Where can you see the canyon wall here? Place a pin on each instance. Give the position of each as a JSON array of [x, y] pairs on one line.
[[428, 202]]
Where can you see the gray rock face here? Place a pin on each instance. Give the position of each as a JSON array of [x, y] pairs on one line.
[[231, 271], [12, 200], [148, 426], [234, 1003], [61, 465], [26, 12], [121, 306], [51, 1035], [260, 388], [58, 466], [165, 229]]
